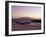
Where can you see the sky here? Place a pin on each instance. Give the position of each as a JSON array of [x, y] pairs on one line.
[[26, 11]]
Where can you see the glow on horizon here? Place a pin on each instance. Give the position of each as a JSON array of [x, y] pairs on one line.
[[26, 11]]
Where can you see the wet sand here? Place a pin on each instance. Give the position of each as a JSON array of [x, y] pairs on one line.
[[32, 26]]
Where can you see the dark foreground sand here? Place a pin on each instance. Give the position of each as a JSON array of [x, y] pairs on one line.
[[18, 27]]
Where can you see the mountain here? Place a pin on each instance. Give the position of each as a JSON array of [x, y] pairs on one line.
[[27, 19]]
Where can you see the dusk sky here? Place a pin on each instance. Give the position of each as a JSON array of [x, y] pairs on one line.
[[26, 11]]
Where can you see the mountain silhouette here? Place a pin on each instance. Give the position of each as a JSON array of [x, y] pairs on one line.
[[24, 20]]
